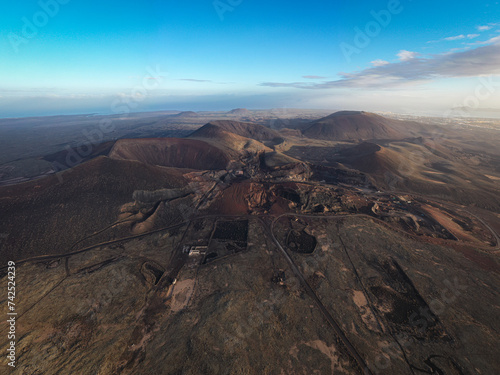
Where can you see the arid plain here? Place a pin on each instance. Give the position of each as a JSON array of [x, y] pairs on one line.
[[253, 242]]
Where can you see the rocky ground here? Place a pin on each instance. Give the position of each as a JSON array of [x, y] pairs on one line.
[[408, 307]]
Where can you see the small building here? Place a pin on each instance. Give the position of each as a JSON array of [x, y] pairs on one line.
[[197, 250]]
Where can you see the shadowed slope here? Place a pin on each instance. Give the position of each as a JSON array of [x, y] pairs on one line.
[[88, 199], [416, 167], [171, 152]]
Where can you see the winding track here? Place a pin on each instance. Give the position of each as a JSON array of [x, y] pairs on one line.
[[88, 248], [495, 234], [457, 207], [333, 323], [269, 231]]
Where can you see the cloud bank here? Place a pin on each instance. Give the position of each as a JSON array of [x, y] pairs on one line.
[[413, 69]]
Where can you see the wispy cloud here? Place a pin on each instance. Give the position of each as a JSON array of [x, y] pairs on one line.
[[484, 28], [195, 80], [313, 77], [203, 81], [488, 26], [412, 69], [455, 37], [407, 55], [380, 62], [493, 40]]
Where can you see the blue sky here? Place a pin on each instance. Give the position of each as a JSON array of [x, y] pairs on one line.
[[83, 56]]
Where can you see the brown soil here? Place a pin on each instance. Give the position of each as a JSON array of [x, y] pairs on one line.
[[171, 152]]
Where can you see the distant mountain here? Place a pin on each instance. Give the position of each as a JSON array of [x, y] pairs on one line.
[[353, 126], [253, 131], [187, 114], [470, 109], [239, 111], [234, 137], [231, 143]]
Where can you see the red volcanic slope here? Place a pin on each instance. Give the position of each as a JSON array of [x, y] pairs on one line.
[[232, 200], [349, 125], [244, 129], [102, 149], [171, 152]]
